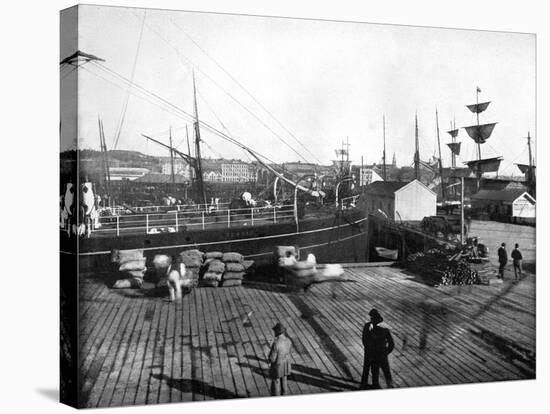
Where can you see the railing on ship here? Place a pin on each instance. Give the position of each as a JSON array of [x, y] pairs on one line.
[[349, 202], [121, 210], [190, 218]]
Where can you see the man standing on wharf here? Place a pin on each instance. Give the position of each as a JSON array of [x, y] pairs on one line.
[[517, 258], [378, 344], [502, 260], [279, 358]]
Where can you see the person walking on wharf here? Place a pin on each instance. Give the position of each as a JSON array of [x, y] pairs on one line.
[[378, 344], [517, 258], [279, 359], [502, 260]]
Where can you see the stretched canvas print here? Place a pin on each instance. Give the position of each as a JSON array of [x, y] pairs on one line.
[[257, 206]]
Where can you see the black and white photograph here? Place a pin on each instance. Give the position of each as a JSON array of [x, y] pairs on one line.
[[254, 206]]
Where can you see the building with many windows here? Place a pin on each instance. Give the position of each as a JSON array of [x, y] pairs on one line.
[[238, 172]]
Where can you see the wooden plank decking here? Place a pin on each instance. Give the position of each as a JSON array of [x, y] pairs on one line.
[[138, 348]]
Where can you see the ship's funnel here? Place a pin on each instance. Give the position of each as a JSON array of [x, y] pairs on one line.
[[480, 133]]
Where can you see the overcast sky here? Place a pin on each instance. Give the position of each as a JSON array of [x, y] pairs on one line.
[[323, 81]]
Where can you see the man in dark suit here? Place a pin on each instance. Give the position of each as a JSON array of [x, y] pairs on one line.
[[517, 258], [279, 358], [378, 344], [502, 260]]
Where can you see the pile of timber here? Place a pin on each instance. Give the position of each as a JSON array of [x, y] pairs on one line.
[[440, 267]]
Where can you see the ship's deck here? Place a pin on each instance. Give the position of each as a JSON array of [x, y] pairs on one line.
[[138, 348]]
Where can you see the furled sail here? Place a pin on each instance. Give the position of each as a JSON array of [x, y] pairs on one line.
[[453, 133], [455, 147], [480, 133], [478, 108], [485, 165]]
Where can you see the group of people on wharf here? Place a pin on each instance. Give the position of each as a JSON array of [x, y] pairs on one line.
[[377, 342], [516, 260]]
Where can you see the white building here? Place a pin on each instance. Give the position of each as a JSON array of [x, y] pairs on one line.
[[238, 172], [180, 168], [401, 201], [212, 176], [512, 205], [368, 176], [126, 173]]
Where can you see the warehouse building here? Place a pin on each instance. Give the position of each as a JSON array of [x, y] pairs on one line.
[[401, 201], [512, 205]]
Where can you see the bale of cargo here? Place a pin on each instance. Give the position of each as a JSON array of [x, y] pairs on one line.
[[132, 265], [213, 255], [286, 251], [136, 273], [191, 261], [193, 253], [128, 283], [233, 276], [331, 272], [232, 257], [161, 261], [123, 256], [211, 279], [212, 276], [234, 267], [232, 282], [286, 261], [216, 266]]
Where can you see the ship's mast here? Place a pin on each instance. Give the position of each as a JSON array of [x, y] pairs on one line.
[[477, 118], [531, 172], [172, 172], [440, 159], [198, 163], [480, 133], [416, 150], [530, 176], [384, 173], [104, 157], [455, 149]]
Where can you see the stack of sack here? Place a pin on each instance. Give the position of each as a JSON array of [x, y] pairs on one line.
[[193, 261], [234, 269], [131, 268], [213, 271]]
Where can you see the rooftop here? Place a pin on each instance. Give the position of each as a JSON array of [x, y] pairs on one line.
[[385, 188], [498, 195]]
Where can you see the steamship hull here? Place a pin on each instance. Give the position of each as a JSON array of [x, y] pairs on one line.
[[332, 239]]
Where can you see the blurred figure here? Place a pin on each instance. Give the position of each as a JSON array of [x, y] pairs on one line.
[[279, 358], [378, 344], [517, 258], [502, 260]]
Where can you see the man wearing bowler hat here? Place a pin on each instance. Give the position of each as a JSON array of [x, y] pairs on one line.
[[378, 344], [279, 359]]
